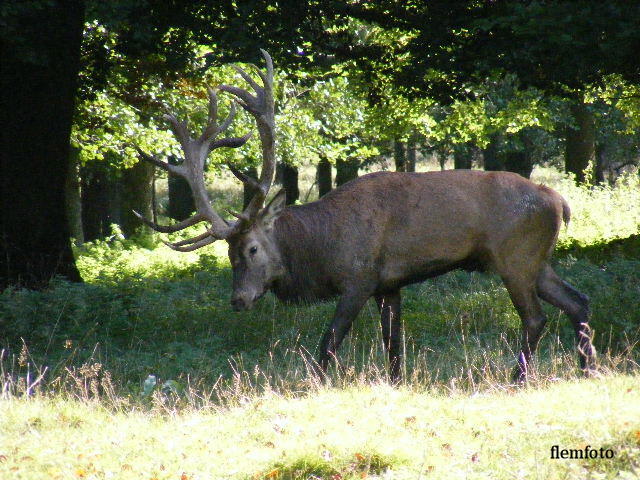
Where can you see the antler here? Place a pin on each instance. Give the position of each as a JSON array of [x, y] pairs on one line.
[[261, 106]]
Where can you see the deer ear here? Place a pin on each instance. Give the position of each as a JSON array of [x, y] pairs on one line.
[[273, 209]]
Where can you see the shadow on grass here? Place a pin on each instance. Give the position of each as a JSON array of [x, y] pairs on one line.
[[361, 465], [625, 461], [605, 251]]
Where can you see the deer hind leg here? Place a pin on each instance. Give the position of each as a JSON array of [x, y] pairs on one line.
[[557, 292], [525, 300], [389, 306]]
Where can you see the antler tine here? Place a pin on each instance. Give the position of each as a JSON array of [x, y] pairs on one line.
[[247, 78], [239, 216], [267, 79], [195, 246], [211, 129], [244, 98], [179, 129], [213, 105], [268, 130], [190, 241], [230, 142], [258, 103], [159, 163], [197, 218], [269, 64], [260, 73], [243, 177], [229, 119]]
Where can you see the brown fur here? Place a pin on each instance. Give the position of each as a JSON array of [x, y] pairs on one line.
[[385, 230]]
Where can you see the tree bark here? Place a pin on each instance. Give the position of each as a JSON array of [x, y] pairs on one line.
[[181, 203], [518, 162], [137, 194], [412, 152], [248, 192], [38, 80], [288, 176], [461, 157], [601, 162], [580, 142], [442, 158], [100, 200], [399, 156], [346, 170], [73, 199], [492, 159], [323, 175]]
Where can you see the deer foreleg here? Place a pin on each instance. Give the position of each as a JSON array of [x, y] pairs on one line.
[[347, 310]]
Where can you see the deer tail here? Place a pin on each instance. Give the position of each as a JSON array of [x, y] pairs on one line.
[[566, 211]]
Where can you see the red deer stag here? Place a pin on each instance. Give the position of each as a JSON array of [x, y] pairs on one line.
[[378, 233]]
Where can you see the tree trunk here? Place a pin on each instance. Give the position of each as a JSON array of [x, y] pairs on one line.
[[137, 194], [461, 157], [323, 176], [601, 162], [442, 159], [346, 170], [411, 152], [492, 159], [100, 203], [40, 65], [73, 199], [580, 142], [288, 176], [399, 156], [248, 192], [518, 162], [181, 204]]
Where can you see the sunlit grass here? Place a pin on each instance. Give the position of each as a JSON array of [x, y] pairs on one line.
[[362, 431], [598, 213]]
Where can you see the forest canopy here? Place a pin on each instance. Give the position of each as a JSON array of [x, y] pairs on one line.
[[501, 85]]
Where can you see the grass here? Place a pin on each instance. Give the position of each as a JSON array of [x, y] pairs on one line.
[[599, 213], [144, 371], [459, 328], [365, 431]]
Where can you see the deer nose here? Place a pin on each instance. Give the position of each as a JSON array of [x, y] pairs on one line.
[[238, 303]]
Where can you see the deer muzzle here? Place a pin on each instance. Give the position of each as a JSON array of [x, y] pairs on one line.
[[244, 300]]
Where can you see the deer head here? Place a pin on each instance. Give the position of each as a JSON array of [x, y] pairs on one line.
[[252, 252]]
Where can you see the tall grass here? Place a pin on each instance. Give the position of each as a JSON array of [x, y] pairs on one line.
[[598, 213]]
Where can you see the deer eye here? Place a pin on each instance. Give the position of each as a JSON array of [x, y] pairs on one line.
[[253, 250]]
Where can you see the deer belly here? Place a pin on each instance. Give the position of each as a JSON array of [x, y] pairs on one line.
[[399, 274]]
